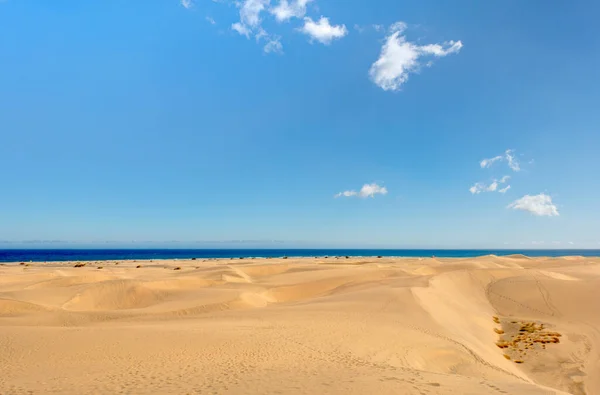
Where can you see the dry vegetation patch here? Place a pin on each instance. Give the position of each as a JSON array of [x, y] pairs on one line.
[[519, 337]]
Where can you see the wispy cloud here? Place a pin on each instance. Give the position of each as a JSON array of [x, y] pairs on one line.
[[250, 11], [210, 20], [273, 45], [241, 29], [286, 10], [479, 187], [508, 156], [512, 162], [367, 190], [400, 57], [359, 28], [322, 30], [505, 189], [187, 3], [540, 205], [489, 162], [250, 19]]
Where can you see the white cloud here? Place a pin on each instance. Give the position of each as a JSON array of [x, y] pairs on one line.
[[322, 30], [285, 11], [273, 45], [241, 29], [489, 162], [345, 194], [211, 21], [398, 27], [359, 28], [505, 189], [250, 11], [508, 156], [512, 162], [368, 190], [378, 28], [399, 58], [479, 187], [187, 4], [538, 205], [262, 33]]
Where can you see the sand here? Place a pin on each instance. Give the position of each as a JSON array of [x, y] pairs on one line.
[[490, 325]]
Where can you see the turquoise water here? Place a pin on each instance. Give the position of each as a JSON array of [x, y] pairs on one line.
[[39, 255]]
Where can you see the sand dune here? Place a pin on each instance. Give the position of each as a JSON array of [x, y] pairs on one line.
[[490, 325]]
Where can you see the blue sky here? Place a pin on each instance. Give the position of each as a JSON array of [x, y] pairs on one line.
[[148, 122]]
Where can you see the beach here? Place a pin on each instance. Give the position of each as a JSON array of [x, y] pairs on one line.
[[356, 325]]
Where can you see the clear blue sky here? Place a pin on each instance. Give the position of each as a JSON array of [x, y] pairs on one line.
[[214, 121]]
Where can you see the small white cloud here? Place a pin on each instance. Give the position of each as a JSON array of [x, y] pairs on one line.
[[399, 58], [378, 28], [187, 4], [368, 190], [322, 30], [571, 243], [210, 20], [250, 11], [508, 156], [241, 29], [285, 10], [345, 194], [489, 162], [540, 205], [505, 189], [512, 162], [262, 33], [273, 45], [359, 28], [479, 187]]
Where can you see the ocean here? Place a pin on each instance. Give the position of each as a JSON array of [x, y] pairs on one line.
[[47, 255]]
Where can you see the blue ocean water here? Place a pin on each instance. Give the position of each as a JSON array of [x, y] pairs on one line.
[[44, 255]]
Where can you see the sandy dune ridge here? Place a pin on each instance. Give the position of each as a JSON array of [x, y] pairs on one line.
[[488, 325]]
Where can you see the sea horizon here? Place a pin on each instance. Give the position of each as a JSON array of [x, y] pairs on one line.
[[102, 254]]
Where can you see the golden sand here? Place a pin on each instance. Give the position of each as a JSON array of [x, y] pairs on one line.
[[490, 325]]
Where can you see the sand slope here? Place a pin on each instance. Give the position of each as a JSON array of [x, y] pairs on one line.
[[491, 325]]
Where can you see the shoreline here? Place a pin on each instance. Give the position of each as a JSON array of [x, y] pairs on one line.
[[291, 257], [297, 259]]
